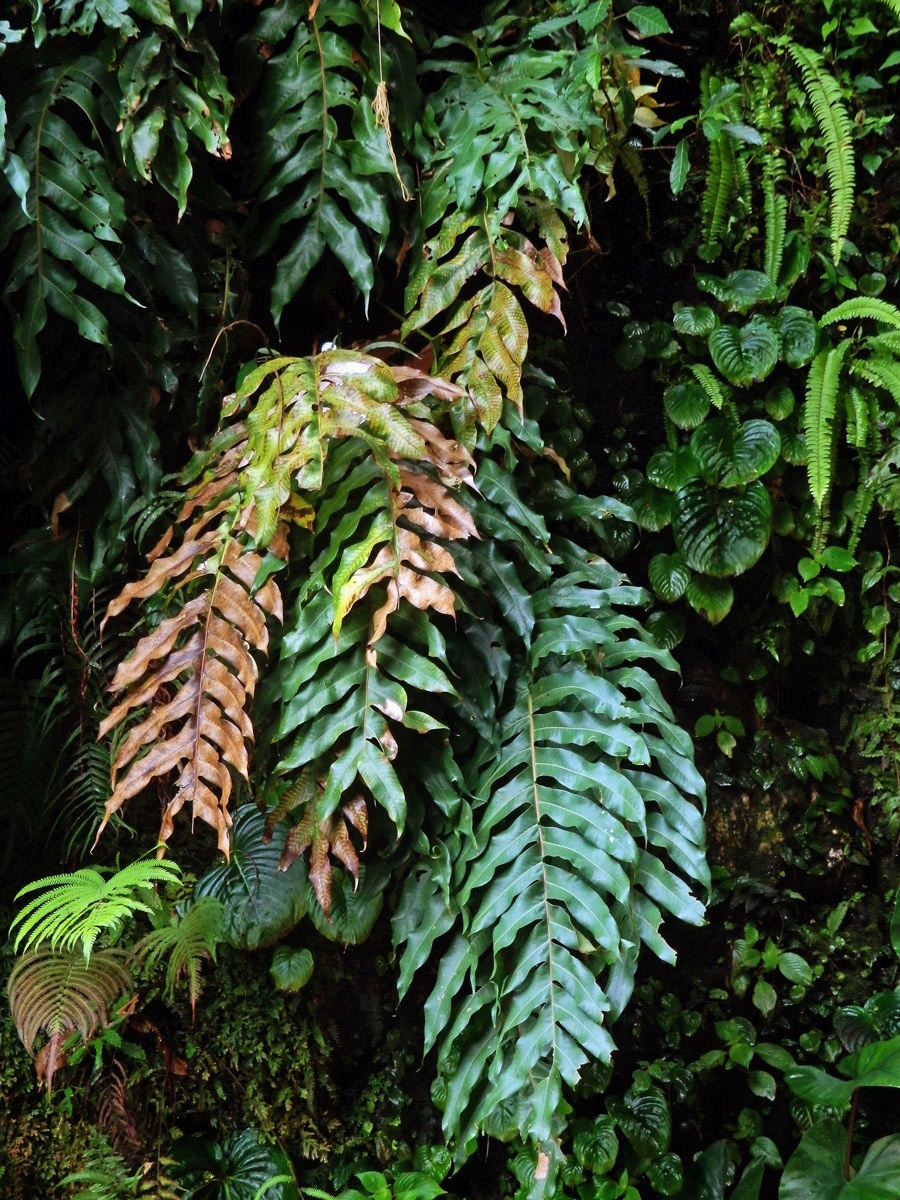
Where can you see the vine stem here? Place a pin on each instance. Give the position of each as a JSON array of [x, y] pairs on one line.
[[850, 1122]]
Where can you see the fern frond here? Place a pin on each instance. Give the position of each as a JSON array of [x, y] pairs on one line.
[[108, 1177], [836, 127], [188, 941], [710, 384], [60, 993], [881, 372], [631, 161], [776, 228], [822, 385], [894, 6], [718, 190], [78, 907], [863, 308], [573, 854]]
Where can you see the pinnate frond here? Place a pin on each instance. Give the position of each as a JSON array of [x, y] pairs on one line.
[[822, 384], [187, 941], [78, 907], [59, 993], [836, 127], [860, 308]]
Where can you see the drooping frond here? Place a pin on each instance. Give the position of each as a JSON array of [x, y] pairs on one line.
[[710, 384], [822, 385], [860, 308], [776, 227], [186, 941], [59, 993], [78, 907], [303, 441], [836, 127]]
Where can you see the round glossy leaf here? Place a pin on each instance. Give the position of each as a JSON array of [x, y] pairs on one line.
[[666, 628], [795, 968], [721, 533], [435, 1161], [698, 321], [686, 404], [666, 1175], [740, 290], [233, 1169], [885, 1007], [799, 335], [745, 354], [596, 1148], [669, 469], [652, 506], [291, 970], [729, 454], [668, 576], [793, 448], [710, 598], [261, 903], [779, 401], [872, 284]]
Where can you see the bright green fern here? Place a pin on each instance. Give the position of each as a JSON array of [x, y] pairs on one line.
[[836, 127], [78, 907]]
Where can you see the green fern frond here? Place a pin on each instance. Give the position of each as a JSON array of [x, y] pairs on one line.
[[836, 127], [631, 161], [188, 941], [881, 372], [776, 229], [710, 384], [894, 6], [78, 907], [718, 189], [863, 308], [818, 419]]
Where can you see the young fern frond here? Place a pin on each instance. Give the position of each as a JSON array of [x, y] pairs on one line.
[[718, 189], [836, 127], [78, 907]]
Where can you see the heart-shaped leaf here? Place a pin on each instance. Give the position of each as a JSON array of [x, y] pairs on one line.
[[745, 354], [291, 970], [780, 401], [236, 1168], [729, 454], [740, 290], [720, 532], [668, 576], [652, 507], [799, 335], [698, 321], [686, 404], [261, 903], [669, 469], [710, 598], [665, 1175], [596, 1148], [667, 629]]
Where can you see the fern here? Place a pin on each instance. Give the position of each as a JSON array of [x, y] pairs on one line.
[[822, 385], [572, 851], [836, 127], [186, 941], [67, 230], [60, 993], [78, 907], [775, 207], [108, 1177], [323, 170], [863, 308]]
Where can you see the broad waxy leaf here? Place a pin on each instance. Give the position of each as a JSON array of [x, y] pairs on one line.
[[729, 454], [718, 532], [745, 354]]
